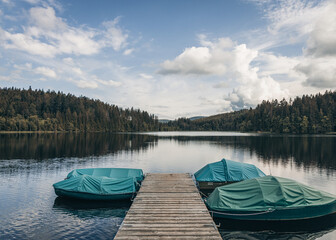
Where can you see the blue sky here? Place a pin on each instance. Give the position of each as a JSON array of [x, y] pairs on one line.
[[170, 58]]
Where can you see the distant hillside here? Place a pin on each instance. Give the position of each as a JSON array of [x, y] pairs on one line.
[[196, 118], [36, 110], [164, 120], [306, 114]]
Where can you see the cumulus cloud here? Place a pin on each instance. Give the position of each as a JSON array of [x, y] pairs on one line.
[[211, 58], [319, 72], [48, 35], [318, 64], [48, 72], [322, 38], [229, 60]]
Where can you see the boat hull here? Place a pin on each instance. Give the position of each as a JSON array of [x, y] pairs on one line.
[[310, 224], [90, 196], [280, 214]]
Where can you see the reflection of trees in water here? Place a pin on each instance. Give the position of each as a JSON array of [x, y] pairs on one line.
[[306, 151], [45, 146]]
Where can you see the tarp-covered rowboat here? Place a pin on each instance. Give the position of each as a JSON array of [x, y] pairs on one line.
[[225, 171], [100, 183], [116, 173], [96, 188], [270, 199]]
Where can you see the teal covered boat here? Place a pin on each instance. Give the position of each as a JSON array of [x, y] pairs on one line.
[[100, 184], [270, 198], [224, 172], [116, 173]]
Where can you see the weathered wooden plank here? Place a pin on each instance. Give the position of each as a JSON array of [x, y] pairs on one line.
[[164, 222], [168, 206], [171, 232], [170, 225], [181, 237]]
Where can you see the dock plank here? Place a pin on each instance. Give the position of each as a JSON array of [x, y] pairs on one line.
[[168, 206]]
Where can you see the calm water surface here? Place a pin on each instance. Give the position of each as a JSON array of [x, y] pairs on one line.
[[31, 163]]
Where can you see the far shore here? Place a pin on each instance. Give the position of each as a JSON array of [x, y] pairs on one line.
[[260, 132]]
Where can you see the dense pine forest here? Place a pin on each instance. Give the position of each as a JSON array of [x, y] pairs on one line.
[[37, 110], [307, 114]]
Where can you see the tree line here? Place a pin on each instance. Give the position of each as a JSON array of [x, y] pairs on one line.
[[37, 110], [309, 114]]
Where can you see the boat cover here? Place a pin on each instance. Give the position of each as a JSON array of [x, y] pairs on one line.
[[227, 171], [265, 193], [116, 173], [98, 185]]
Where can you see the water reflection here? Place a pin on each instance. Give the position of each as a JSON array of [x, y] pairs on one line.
[[91, 209], [307, 151], [64, 145], [31, 163], [269, 235]]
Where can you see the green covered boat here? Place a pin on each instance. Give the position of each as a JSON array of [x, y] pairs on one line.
[[270, 198], [224, 172], [116, 173], [100, 184]]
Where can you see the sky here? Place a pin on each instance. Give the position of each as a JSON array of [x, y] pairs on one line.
[[172, 58]]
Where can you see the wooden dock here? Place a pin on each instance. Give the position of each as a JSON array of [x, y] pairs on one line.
[[168, 206]]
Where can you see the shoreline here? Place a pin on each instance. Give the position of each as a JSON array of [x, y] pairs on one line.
[[258, 132]]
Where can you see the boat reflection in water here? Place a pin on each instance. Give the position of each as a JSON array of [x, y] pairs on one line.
[[91, 209]]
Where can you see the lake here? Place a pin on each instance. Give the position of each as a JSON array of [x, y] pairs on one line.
[[31, 163]]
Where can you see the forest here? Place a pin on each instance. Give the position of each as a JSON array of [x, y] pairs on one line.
[[309, 114], [37, 110]]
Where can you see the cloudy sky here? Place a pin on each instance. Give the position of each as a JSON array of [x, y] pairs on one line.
[[171, 58]]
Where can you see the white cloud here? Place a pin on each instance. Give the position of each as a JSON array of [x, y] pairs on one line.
[[319, 72], [9, 2], [271, 64], [68, 61], [48, 72], [85, 83], [109, 83], [33, 2], [47, 35], [211, 58], [236, 62], [322, 38], [221, 85], [45, 18], [77, 70], [26, 43], [145, 76], [128, 51], [114, 35], [319, 62], [26, 66]]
